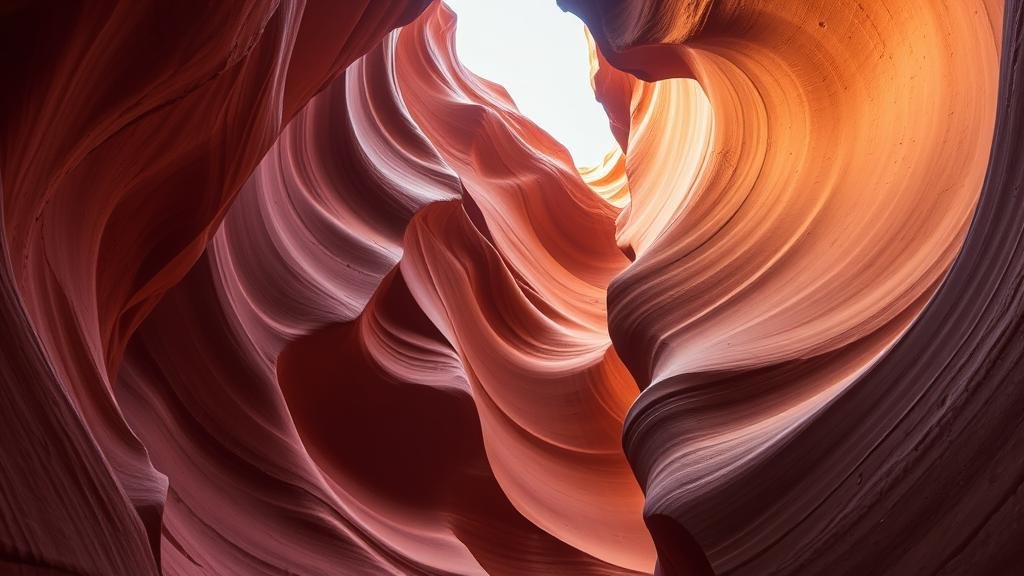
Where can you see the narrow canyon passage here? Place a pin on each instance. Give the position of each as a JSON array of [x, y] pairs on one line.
[[659, 287]]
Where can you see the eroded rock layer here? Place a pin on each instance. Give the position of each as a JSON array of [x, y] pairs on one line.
[[288, 290]]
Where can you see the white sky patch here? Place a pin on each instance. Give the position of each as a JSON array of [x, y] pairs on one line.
[[539, 54]]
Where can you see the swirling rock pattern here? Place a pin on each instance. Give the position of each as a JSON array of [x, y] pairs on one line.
[[288, 290]]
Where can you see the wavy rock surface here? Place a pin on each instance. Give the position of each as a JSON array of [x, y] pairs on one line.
[[127, 131], [819, 216], [287, 292], [514, 401]]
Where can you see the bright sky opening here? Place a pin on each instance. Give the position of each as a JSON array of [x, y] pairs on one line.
[[539, 54]]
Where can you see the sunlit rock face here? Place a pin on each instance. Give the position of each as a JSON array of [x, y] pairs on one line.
[[286, 289]]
